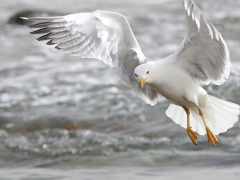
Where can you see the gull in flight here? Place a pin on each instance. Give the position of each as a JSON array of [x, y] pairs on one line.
[[202, 58]]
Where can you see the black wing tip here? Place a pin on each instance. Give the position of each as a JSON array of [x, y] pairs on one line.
[[41, 31], [45, 37], [58, 48], [50, 43]]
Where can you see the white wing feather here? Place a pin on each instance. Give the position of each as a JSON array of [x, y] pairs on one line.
[[102, 35], [203, 52]]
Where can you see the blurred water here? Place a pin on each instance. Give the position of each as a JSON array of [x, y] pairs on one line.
[[58, 110]]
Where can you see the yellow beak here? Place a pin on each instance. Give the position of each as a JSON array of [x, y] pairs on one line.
[[142, 81]]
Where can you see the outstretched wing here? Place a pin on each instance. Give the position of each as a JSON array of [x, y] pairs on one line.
[[102, 35], [203, 52]]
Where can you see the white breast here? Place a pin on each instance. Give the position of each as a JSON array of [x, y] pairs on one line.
[[177, 86]]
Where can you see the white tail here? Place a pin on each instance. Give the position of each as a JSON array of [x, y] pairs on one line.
[[220, 116]]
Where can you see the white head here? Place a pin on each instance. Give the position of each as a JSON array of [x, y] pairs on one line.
[[142, 73]]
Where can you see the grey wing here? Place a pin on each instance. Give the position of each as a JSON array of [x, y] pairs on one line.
[[102, 35], [203, 52]]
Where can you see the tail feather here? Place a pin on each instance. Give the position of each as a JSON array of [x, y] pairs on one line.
[[220, 116], [226, 113], [197, 125], [177, 114]]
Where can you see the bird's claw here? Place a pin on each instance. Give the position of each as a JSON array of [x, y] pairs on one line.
[[192, 135], [211, 137]]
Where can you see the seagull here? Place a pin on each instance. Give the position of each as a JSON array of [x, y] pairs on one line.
[[202, 58]]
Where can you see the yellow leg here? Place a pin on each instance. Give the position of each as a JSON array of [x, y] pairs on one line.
[[191, 133], [211, 137]]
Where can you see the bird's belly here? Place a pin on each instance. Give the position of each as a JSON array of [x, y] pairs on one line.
[[179, 88], [175, 95]]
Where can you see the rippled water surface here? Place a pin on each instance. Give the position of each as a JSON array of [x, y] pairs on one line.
[[58, 111]]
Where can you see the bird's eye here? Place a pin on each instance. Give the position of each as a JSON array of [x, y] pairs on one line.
[[136, 75], [147, 72]]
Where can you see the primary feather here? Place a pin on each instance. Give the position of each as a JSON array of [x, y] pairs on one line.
[[102, 35]]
